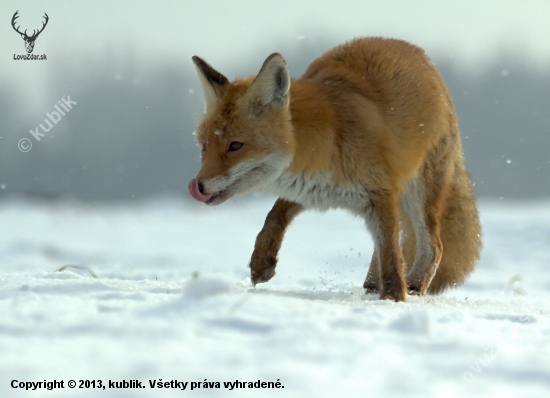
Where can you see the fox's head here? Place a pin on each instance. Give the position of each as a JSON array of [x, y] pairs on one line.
[[245, 136]]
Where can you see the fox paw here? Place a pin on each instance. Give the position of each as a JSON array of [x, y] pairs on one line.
[[415, 289], [395, 292], [370, 287], [262, 269], [263, 276]]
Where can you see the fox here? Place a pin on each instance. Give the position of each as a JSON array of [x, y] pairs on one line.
[[369, 127]]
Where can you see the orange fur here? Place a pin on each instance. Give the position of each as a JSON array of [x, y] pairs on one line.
[[369, 127]]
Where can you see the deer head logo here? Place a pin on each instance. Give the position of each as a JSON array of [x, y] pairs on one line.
[[29, 40]]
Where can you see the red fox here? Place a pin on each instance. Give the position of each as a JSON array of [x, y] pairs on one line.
[[369, 127]]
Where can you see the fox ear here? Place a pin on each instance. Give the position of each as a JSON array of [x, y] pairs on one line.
[[213, 82], [271, 86]]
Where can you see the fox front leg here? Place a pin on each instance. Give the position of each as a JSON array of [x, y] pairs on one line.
[[270, 238], [384, 224]]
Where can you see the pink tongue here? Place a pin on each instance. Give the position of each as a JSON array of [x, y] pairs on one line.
[[193, 188]]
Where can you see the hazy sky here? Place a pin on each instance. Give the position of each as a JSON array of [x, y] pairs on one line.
[[119, 55], [221, 29], [223, 32]]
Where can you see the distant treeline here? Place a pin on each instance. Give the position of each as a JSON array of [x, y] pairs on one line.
[[130, 133]]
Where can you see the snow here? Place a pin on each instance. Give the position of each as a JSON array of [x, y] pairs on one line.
[[171, 299]]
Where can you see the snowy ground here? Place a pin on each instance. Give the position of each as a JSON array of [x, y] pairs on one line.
[[171, 300]]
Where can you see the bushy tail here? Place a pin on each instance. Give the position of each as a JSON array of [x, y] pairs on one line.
[[460, 235]]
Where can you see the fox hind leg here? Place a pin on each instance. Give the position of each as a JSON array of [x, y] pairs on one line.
[[424, 202], [428, 245], [372, 283]]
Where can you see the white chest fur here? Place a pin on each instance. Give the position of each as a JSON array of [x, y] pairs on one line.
[[319, 192]]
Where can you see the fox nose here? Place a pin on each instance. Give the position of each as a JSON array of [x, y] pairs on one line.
[[196, 190]]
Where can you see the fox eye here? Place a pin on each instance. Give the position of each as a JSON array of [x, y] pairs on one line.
[[235, 146], [203, 147]]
